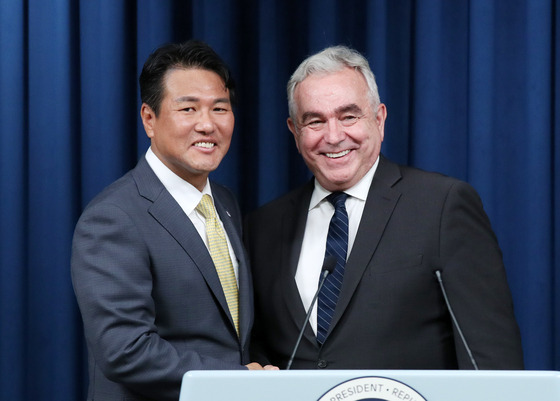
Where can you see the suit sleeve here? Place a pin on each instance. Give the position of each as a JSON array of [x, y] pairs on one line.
[[113, 283], [476, 283]]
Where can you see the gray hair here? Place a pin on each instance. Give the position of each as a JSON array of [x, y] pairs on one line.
[[329, 60]]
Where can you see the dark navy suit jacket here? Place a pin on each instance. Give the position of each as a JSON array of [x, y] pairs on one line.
[[391, 313]]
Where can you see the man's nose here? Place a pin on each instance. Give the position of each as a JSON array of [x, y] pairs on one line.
[[205, 123], [334, 131]]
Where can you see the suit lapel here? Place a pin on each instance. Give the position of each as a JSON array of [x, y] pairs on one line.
[[293, 230], [169, 214], [380, 203]]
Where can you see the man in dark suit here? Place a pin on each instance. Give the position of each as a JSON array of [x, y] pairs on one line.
[[389, 228], [162, 284]]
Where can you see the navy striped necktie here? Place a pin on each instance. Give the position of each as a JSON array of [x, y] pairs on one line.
[[337, 246]]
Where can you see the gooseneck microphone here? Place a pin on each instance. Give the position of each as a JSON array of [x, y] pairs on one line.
[[455, 322], [328, 267]]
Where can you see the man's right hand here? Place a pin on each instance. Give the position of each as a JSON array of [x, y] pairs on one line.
[[257, 366]]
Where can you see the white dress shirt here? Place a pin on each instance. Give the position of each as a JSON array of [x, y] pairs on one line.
[[315, 237], [188, 197]]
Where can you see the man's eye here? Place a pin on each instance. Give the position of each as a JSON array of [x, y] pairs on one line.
[[349, 120], [315, 124], [188, 109]]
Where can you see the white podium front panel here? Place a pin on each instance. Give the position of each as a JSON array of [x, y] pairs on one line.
[[372, 385]]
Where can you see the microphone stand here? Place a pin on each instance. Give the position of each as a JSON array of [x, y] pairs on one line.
[[328, 266]]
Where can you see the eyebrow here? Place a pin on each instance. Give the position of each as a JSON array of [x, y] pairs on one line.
[[347, 108], [310, 114], [352, 108], [183, 99]]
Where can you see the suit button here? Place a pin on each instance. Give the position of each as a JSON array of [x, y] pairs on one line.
[[322, 364]]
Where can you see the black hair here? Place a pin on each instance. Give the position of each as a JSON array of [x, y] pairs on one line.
[[186, 55]]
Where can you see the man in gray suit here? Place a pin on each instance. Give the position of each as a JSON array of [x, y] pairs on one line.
[[158, 267]]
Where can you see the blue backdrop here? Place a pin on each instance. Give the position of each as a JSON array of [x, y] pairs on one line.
[[472, 89]]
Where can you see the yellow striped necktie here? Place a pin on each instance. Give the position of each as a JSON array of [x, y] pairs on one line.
[[217, 245]]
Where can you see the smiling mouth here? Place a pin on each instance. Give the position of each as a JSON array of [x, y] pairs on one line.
[[206, 145], [337, 155]]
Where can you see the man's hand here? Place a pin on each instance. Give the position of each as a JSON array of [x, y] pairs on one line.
[[257, 366]]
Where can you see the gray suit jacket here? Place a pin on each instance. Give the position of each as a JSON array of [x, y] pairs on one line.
[[391, 313], [151, 300]]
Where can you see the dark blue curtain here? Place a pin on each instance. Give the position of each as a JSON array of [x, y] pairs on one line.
[[472, 89]]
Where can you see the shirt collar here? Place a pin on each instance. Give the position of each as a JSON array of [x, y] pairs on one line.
[[180, 189]]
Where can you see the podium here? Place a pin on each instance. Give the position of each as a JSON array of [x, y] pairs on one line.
[[372, 385]]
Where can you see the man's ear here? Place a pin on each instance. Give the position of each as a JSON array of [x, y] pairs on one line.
[[293, 129], [380, 119], [148, 119]]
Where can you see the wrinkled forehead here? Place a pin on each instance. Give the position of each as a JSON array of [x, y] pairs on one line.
[[329, 92]]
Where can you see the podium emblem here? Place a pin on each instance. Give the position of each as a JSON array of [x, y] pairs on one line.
[[372, 388]]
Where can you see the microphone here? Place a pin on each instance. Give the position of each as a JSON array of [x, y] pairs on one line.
[[328, 266], [455, 322]]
